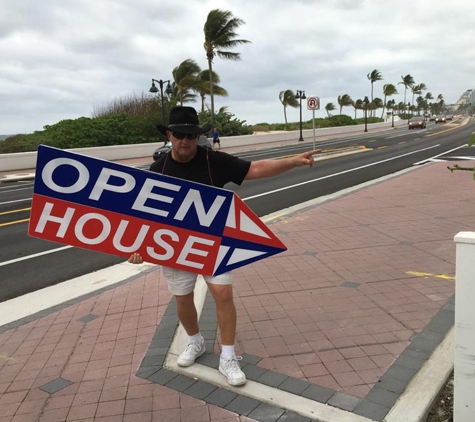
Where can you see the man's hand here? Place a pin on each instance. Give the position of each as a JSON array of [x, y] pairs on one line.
[[135, 258], [306, 159]]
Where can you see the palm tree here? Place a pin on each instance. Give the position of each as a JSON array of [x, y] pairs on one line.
[[203, 86], [220, 36], [388, 90], [421, 104], [287, 98], [344, 101], [401, 107], [407, 81], [330, 107], [185, 77], [375, 104], [417, 89], [440, 104], [358, 105], [374, 76], [428, 97]]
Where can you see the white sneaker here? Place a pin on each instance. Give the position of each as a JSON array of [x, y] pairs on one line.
[[192, 352], [230, 368]]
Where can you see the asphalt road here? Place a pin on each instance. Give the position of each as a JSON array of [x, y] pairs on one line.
[[24, 266]]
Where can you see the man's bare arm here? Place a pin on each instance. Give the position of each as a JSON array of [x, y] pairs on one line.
[[268, 168]]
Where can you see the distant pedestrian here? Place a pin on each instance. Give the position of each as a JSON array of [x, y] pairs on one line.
[[216, 138]]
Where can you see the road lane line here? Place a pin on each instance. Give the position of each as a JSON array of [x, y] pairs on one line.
[[12, 202], [337, 174], [14, 190], [24, 258], [13, 211], [14, 222], [442, 153]]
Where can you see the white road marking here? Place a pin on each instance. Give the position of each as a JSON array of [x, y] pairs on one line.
[[461, 158], [337, 174], [12, 202], [438, 155], [35, 255]]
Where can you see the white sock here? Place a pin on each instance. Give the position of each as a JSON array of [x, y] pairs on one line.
[[227, 351], [195, 337]]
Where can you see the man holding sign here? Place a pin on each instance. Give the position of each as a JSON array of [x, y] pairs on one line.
[[188, 161]]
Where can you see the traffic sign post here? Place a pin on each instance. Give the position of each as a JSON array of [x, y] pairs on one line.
[[313, 103]]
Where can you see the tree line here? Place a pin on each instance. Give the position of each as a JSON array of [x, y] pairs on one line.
[[419, 104]]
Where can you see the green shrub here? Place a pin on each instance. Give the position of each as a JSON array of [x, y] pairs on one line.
[[227, 123], [361, 121], [85, 132], [341, 120], [262, 127]]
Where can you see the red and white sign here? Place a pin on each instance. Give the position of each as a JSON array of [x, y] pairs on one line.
[[313, 103]]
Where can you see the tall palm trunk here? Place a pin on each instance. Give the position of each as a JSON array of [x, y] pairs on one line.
[[371, 111], [211, 94]]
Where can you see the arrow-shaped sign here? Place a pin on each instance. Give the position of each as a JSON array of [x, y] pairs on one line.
[[116, 209]]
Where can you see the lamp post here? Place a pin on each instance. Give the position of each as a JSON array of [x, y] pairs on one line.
[[408, 109], [392, 103], [168, 90], [366, 102], [300, 96]]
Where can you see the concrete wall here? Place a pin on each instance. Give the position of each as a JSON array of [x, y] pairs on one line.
[[27, 160]]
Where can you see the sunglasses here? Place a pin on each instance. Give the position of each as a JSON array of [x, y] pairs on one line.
[[181, 135]]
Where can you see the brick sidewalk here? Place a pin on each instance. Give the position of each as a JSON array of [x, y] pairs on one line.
[[345, 317]]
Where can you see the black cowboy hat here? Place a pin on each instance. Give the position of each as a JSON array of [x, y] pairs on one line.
[[185, 120]]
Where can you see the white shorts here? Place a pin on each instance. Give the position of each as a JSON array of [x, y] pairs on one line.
[[181, 282]]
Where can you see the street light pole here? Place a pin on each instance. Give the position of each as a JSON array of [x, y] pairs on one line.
[[408, 109], [168, 90], [392, 103], [301, 96], [366, 102]]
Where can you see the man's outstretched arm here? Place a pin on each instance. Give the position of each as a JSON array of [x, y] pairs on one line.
[[269, 168]]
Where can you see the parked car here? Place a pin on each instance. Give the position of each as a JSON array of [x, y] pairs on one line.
[[417, 121], [202, 141], [162, 150], [440, 119]]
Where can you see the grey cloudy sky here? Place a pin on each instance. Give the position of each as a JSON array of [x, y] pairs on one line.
[[59, 59]]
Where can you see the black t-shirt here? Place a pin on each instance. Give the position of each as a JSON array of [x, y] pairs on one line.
[[208, 167]]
